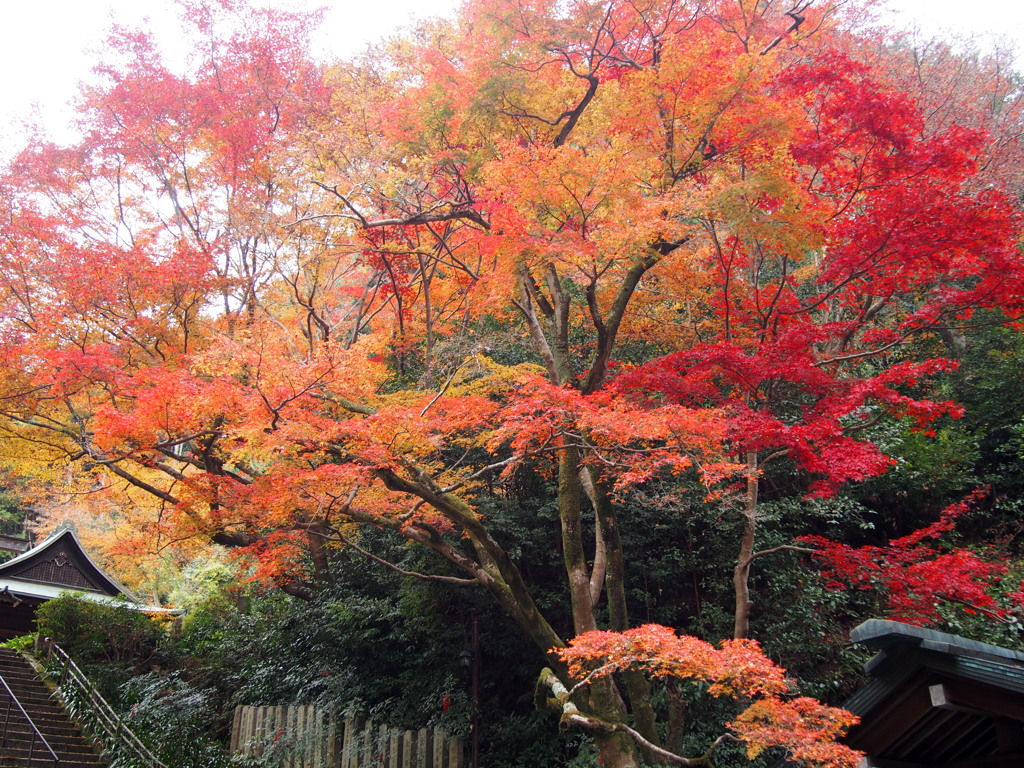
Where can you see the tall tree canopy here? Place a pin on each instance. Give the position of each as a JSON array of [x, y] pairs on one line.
[[265, 302]]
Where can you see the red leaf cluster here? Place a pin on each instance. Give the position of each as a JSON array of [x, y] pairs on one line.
[[914, 576]]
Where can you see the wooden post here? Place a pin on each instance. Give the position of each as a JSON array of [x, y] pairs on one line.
[[309, 737], [319, 751], [383, 742], [347, 739], [456, 753], [289, 738], [334, 750], [409, 749], [236, 726], [280, 735], [366, 742], [353, 741], [424, 751], [437, 757], [300, 735], [259, 715], [395, 750], [254, 728], [249, 730]]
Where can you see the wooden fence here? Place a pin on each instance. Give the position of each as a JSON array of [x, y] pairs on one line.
[[302, 736]]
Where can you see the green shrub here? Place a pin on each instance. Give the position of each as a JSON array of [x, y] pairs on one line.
[[173, 718], [99, 632]]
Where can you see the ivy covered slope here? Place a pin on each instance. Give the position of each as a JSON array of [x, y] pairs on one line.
[[544, 292]]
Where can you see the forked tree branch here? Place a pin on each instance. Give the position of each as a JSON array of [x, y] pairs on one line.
[[571, 715]]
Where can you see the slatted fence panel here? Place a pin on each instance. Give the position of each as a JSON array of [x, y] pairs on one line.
[[302, 736]]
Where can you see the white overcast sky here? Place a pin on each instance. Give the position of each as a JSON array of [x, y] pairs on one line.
[[45, 46]]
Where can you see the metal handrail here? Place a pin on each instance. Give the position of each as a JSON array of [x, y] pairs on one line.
[[106, 719], [36, 734]]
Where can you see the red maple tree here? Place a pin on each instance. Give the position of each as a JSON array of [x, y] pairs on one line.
[[265, 302]]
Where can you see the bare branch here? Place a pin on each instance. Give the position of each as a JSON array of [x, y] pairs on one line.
[[344, 402], [422, 217], [423, 576], [796, 14], [782, 548], [444, 388]]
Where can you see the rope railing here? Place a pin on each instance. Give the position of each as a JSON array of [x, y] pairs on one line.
[[98, 715], [37, 736]]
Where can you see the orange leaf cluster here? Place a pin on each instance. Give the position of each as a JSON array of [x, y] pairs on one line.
[[806, 729]]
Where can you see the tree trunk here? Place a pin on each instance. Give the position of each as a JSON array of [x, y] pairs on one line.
[[741, 576], [638, 689], [548, 321], [569, 512], [616, 751], [604, 700]]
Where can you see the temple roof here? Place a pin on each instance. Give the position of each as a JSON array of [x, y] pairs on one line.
[[60, 564], [937, 700]]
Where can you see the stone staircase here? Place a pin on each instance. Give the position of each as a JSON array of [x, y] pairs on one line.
[[64, 737]]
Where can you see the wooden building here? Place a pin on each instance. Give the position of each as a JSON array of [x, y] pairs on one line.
[[57, 566], [937, 700]]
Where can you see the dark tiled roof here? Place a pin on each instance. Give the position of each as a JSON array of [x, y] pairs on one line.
[[936, 699]]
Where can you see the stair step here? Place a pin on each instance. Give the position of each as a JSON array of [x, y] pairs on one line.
[[22, 759], [33, 701], [57, 730], [47, 723], [36, 690], [22, 680], [56, 720], [26, 681], [50, 713], [37, 701], [18, 729], [47, 714], [21, 749], [72, 740]]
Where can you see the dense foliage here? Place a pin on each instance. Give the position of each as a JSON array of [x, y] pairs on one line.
[[587, 307]]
